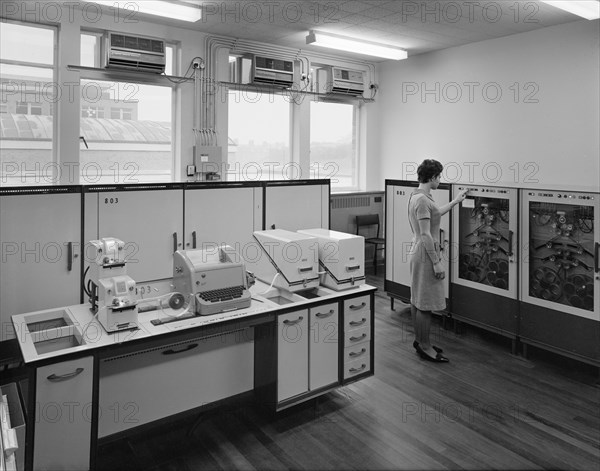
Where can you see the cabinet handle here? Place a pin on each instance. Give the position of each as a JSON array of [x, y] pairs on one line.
[[70, 256], [57, 378], [174, 242], [354, 370], [510, 244], [357, 354], [194, 239], [442, 235], [596, 257], [355, 323], [354, 339], [191, 346], [322, 315], [287, 322], [356, 308]]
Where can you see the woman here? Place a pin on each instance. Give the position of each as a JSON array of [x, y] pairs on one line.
[[427, 270]]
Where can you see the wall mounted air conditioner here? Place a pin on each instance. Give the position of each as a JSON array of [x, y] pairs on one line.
[[123, 51], [344, 81], [265, 70]]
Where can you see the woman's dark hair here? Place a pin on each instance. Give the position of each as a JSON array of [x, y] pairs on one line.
[[429, 169]]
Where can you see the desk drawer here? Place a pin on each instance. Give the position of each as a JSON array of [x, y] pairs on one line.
[[358, 366], [360, 304], [356, 352], [357, 319], [358, 335]]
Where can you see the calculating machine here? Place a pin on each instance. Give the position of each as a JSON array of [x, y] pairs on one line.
[[216, 278], [341, 258], [112, 291]]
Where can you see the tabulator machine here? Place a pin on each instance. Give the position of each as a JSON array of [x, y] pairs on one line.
[[112, 291], [216, 278], [341, 258], [287, 260]]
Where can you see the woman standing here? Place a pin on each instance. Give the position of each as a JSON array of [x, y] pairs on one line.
[[426, 268]]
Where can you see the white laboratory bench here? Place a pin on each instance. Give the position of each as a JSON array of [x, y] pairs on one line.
[[88, 387]]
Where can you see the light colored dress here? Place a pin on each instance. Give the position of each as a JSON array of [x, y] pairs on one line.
[[427, 291]]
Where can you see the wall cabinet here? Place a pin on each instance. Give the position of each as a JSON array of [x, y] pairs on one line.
[[40, 235], [294, 205], [63, 415]]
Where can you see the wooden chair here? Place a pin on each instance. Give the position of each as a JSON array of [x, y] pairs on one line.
[[367, 225]]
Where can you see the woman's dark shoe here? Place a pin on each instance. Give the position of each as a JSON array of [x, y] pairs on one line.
[[439, 358], [437, 349]]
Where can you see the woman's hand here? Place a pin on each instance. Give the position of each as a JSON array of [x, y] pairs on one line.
[[438, 269]]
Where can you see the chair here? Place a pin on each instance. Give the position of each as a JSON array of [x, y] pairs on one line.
[[367, 223]]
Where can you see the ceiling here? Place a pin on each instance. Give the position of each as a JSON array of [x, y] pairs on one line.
[[417, 26]]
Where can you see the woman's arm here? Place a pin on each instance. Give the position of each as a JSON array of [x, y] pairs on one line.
[[428, 242], [447, 207]]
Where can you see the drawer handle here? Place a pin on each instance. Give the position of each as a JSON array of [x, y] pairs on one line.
[[354, 339], [355, 370], [322, 315], [57, 378], [287, 322], [357, 354], [356, 308], [355, 323], [191, 346]]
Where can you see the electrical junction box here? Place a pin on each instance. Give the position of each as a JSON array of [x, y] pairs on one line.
[[208, 159]]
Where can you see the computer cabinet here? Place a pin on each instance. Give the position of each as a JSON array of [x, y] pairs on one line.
[[399, 236], [294, 205], [148, 218], [560, 274], [40, 235], [485, 250]]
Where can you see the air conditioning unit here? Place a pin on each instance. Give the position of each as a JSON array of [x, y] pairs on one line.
[[265, 71], [344, 81], [123, 51]]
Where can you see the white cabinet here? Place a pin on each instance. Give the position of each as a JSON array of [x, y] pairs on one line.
[[150, 222], [63, 415], [292, 354], [293, 207], [323, 346], [40, 235], [228, 215]]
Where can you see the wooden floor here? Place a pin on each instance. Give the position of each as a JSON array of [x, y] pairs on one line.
[[486, 409]]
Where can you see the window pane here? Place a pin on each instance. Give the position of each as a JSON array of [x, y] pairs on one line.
[[259, 137], [26, 43], [28, 94], [134, 144], [333, 144], [90, 55]]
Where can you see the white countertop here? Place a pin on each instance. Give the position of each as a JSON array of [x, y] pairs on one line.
[[83, 324]]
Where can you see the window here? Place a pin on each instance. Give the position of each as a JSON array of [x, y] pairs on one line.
[[127, 125], [28, 89], [333, 143], [259, 137]]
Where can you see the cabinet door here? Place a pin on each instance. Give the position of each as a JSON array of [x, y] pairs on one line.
[[297, 207], [63, 415], [292, 354], [323, 346], [40, 237], [216, 216], [151, 225], [139, 388]]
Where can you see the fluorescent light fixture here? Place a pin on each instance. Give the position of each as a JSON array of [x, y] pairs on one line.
[[166, 9], [343, 43], [588, 9]]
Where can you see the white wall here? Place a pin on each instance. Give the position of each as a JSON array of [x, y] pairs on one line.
[[548, 137]]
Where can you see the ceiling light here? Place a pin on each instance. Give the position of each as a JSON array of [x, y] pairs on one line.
[[167, 9], [588, 9], [359, 46]]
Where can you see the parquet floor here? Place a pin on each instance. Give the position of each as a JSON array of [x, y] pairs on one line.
[[486, 409]]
